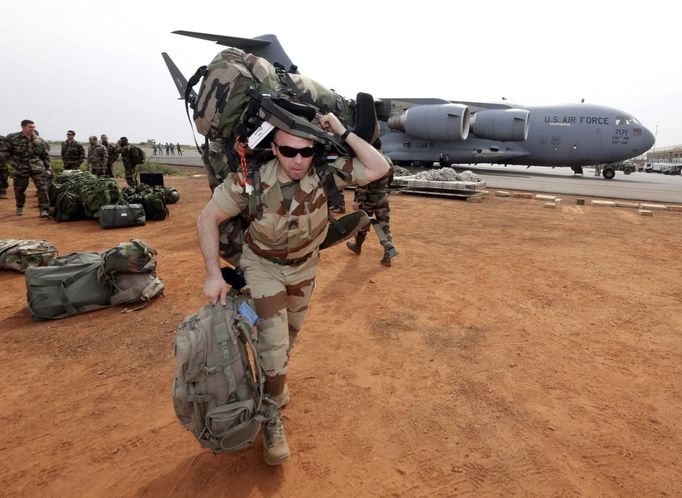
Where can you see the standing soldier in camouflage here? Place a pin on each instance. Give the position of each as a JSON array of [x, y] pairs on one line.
[[281, 248], [373, 199], [128, 162], [177, 146], [4, 174], [31, 159], [98, 157], [112, 154], [73, 153]]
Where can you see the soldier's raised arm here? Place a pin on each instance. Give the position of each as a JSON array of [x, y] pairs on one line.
[[375, 165]]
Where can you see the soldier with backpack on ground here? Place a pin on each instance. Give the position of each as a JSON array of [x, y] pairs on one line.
[[281, 247], [131, 155]]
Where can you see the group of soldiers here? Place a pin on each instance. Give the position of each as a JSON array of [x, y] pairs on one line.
[[30, 156], [101, 156], [157, 149]]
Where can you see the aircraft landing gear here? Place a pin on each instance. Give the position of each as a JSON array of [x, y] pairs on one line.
[[577, 170], [608, 173], [444, 161]]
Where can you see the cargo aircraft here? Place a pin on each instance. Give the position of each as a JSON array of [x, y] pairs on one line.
[[423, 131]]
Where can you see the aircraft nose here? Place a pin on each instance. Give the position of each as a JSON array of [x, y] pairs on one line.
[[648, 139]]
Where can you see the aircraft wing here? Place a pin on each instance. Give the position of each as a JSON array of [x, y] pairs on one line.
[[178, 78], [229, 41], [266, 46]]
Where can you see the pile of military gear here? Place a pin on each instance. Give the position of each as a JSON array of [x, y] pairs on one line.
[[88, 281], [76, 194], [153, 199], [218, 387], [18, 255]]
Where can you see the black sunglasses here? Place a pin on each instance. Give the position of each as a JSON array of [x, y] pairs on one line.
[[287, 151]]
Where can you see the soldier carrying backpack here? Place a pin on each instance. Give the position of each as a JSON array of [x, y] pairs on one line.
[[131, 155], [281, 244]]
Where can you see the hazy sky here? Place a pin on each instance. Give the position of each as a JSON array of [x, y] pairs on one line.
[[96, 66]]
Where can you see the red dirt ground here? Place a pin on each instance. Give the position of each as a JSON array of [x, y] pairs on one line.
[[510, 350]]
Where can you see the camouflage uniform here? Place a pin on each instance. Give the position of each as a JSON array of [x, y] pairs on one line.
[[373, 199], [73, 154], [280, 255], [4, 155], [112, 155], [98, 159], [31, 160], [128, 165]]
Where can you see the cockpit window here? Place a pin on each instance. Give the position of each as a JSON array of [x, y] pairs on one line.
[[626, 120]]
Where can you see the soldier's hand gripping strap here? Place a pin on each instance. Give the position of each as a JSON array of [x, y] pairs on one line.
[[366, 122], [295, 125], [345, 227]]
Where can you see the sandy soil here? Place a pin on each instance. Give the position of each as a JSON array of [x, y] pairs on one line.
[[510, 350]]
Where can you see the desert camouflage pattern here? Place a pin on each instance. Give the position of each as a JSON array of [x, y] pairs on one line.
[[128, 165], [112, 154], [4, 171], [281, 294], [373, 199], [18, 255], [280, 253], [31, 159], [130, 257], [73, 154], [98, 158], [283, 234]]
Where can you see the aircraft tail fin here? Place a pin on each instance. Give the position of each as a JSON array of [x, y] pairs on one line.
[[178, 78], [266, 46]]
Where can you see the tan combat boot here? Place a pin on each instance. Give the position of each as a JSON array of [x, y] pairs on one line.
[[275, 447]]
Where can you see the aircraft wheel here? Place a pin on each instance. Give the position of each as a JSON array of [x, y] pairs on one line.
[[627, 170], [609, 173]]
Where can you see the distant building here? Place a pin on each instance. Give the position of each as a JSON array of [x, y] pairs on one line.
[[672, 154]]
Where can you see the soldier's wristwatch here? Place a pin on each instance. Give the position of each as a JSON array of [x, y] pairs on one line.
[[345, 134]]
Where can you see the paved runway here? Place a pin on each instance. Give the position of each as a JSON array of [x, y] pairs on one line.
[[637, 186]]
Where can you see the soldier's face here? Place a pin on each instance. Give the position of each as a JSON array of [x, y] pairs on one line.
[[295, 167], [69, 136], [28, 129]]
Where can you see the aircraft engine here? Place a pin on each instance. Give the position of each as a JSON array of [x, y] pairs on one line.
[[440, 123], [508, 125]]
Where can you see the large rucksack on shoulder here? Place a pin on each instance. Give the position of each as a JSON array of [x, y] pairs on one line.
[[218, 387], [18, 255]]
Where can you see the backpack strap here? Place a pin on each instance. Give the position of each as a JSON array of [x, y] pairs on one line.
[[226, 347], [199, 73]]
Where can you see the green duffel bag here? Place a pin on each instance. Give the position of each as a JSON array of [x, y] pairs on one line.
[[121, 215], [70, 286]]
